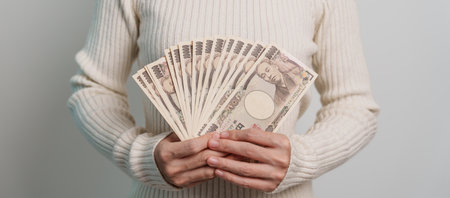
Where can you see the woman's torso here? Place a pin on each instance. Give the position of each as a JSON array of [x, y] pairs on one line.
[[290, 25]]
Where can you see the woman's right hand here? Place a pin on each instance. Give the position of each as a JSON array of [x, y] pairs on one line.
[[183, 164]]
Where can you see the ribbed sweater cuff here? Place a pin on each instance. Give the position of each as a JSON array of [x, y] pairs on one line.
[[299, 169], [143, 164], [326, 146]]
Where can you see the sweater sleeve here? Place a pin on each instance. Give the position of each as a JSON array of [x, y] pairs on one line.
[[347, 120], [99, 103]]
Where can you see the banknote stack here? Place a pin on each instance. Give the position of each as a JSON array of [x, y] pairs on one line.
[[224, 83]]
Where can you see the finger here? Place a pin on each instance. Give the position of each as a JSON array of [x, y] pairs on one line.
[[194, 161], [196, 183], [253, 135], [190, 177], [191, 146], [172, 137], [244, 149], [247, 182], [264, 171], [237, 158]]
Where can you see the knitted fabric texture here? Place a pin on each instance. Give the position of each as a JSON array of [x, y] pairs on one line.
[[321, 33]]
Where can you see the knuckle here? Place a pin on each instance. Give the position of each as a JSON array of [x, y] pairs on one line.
[[181, 181], [169, 171], [205, 155], [248, 152], [222, 164], [278, 176], [186, 166], [280, 141], [171, 154], [274, 142], [209, 173], [273, 187], [245, 183], [177, 182], [190, 146], [282, 162], [223, 145], [244, 135], [164, 156], [246, 171], [285, 143], [174, 170], [270, 187]]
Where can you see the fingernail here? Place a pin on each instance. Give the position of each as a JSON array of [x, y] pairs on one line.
[[224, 134], [213, 143], [219, 172], [216, 135], [212, 161]]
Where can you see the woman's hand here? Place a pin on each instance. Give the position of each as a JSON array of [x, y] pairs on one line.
[[271, 150], [183, 164]]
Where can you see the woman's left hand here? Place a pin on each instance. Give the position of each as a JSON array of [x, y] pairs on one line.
[[271, 150]]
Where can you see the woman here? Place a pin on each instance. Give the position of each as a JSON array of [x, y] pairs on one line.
[[321, 33]]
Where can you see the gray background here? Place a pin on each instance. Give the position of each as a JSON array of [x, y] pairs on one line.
[[42, 153]]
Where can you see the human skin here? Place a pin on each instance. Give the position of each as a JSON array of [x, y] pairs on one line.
[[226, 155], [183, 163], [271, 151]]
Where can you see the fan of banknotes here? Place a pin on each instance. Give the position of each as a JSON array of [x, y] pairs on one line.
[[223, 83]]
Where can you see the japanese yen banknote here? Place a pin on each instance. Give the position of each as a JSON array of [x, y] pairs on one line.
[[224, 83]]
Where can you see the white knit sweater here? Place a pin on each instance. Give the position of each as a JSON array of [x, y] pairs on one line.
[[322, 33]]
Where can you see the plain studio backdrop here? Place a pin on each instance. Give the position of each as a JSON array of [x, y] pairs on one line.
[[42, 153]]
